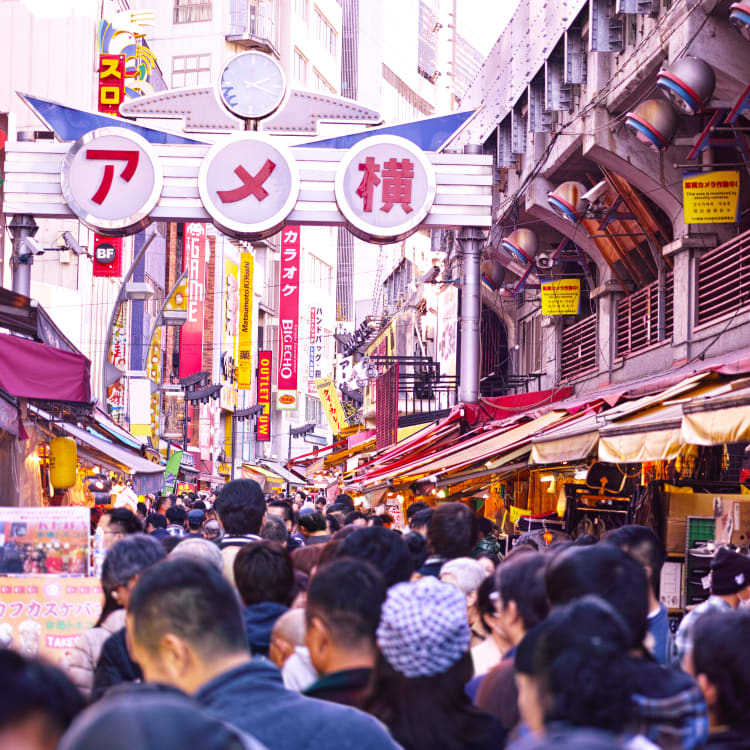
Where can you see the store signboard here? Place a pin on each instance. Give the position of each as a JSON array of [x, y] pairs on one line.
[[111, 84], [446, 336], [315, 349], [561, 297], [711, 197], [173, 411], [263, 420], [229, 328], [287, 396], [245, 335], [191, 333], [117, 393], [107, 256], [329, 397]]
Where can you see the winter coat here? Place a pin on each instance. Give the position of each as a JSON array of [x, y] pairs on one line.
[[82, 660], [259, 621], [114, 665]]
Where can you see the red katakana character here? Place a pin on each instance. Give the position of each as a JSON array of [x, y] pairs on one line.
[[251, 184], [15, 609], [397, 179], [370, 181], [33, 609], [106, 154], [50, 609]]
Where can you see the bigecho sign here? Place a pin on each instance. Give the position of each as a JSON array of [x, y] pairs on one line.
[[288, 318]]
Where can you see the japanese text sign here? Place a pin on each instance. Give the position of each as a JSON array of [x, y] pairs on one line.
[[329, 397], [112, 180], [245, 362], [107, 256], [191, 333], [249, 185], [711, 197], [263, 420], [561, 297], [315, 355], [385, 187], [43, 615], [111, 83], [288, 318]]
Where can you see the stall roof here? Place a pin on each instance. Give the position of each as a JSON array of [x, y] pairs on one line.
[[283, 472], [267, 473], [723, 418]]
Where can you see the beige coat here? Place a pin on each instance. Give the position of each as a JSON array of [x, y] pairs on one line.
[[81, 662]]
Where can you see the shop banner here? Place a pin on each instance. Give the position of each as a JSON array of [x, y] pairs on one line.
[[170, 471], [229, 330], [185, 487], [173, 410], [314, 363], [446, 336], [44, 540], [288, 318], [329, 397], [191, 333], [43, 615], [111, 84], [263, 420], [711, 197], [118, 356], [107, 256], [561, 297], [245, 349]]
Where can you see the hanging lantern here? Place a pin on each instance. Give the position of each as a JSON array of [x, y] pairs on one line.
[[688, 83], [493, 273], [565, 201], [652, 122], [522, 245], [739, 17], [63, 456]]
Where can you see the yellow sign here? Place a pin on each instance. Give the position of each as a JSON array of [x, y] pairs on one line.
[[711, 197], [245, 348], [329, 397], [228, 397], [561, 297]]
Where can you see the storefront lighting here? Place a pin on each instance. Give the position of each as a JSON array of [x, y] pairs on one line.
[[400, 498], [95, 470], [441, 494], [581, 474], [547, 478]]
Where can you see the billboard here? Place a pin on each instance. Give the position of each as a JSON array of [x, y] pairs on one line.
[[245, 348], [191, 333], [288, 318], [263, 421]]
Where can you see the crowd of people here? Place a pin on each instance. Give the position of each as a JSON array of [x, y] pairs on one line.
[[238, 621]]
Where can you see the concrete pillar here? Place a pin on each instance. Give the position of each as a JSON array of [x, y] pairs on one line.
[[607, 295]]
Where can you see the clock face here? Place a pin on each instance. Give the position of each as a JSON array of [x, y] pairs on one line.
[[251, 85]]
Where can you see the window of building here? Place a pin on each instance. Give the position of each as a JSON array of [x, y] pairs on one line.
[[314, 411], [325, 32], [300, 8], [191, 70], [320, 83], [190, 11], [319, 274], [531, 345], [300, 67]]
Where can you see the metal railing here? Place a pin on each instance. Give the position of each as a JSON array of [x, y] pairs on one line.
[[579, 349], [254, 23], [724, 279], [638, 318]]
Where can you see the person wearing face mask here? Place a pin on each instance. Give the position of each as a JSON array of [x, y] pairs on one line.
[[730, 587]]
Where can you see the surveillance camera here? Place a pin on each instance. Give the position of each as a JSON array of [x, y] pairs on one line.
[[72, 244], [596, 192], [30, 246]]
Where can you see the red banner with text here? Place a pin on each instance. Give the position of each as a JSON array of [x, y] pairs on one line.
[[191, 333], [288, 318], [263, 421]]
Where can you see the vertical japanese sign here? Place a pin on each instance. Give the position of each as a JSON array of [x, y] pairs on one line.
[[288, 318], [111, 83], [245, 348], [118, 356], [263, 421], [191, 333], [314, 363], [229, 336], [329, 397]]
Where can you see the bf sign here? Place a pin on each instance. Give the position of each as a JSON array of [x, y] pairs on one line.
[[112, 180], [107, 256]]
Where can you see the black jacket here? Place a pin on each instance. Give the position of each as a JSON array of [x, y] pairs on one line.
[[114, 666]]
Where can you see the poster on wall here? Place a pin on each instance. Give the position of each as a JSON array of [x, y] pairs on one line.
[[561, 297], [711, 197], [288, 318], [191, 333], [446, 336], [35, 541]]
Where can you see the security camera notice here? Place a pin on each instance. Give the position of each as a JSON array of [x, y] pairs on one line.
[[561, 297], [711, 197]]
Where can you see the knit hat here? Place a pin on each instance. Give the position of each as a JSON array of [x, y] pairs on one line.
[[730, 572], [423, 627]]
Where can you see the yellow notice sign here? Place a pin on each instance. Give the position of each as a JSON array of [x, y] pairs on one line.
[[329, 397], [561, 297], [711, 197]]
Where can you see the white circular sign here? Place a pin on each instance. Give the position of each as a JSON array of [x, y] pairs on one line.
[[249, 185], [385, 187], [112, 180]]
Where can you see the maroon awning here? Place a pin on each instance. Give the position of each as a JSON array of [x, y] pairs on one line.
[[32, 370]]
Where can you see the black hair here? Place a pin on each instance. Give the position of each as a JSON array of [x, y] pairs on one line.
[[347, 595], [484, 604], [422, 518], [125, 519], [415, 508], [384, 548], [606, 571], [199, 505], [721, 652], [453, 531], [141, 508], [160, 502], [312, 522], [352, 517], [286, 507], [274, 529], [170, 542], [486, 527], [302, 494], [263, 572], [333, 522], [344, 499], [644, 545], [375, 520], [521, 580], [191, 599], [30, 686], [157, 520], [176, 515], [417, 545], [241, 507], [337, 507]]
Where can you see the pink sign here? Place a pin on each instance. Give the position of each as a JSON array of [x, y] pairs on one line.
[[191, 333], [288, 318]]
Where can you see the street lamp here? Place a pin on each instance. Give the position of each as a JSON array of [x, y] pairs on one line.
[[305, 429]]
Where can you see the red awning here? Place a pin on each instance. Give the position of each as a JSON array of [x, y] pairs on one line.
[[38, 371]]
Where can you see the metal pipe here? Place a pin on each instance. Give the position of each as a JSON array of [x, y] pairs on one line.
[[471, 240], [22, 226]]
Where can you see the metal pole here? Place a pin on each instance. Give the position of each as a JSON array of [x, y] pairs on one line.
[[22, 226], [231, 470], [471, 240]]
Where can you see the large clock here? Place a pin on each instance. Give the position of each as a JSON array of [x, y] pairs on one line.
[[251, 85]]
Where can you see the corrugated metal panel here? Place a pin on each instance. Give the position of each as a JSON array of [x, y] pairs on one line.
[[579, 349], [386, 413], [637, 318], [724, 279]]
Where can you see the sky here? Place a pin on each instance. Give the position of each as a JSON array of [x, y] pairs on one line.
[[481, 21]]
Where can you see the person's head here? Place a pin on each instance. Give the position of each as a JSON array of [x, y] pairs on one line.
[[334, 522], [212, 531], [263, 572], [176, 516], [342, 614], [720, 664], [141, 510], [644, 545], [288, 633], [195, 519], [453, 531], [118, 523], [161, 504], [415, 508], [155, 521], [300, 496], [306, 559], [283, 510], [385, 549], [241, 507], [127, 559], [417, 545], [606, 571], [421, 520], [312, 523], [730, 574], [345, 500], [573, 668], [199, 549], [355, 518], [521, 596], [199, 505], [466, 574], [185, 624], [374, 520], [37, 703], [274, 529]]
